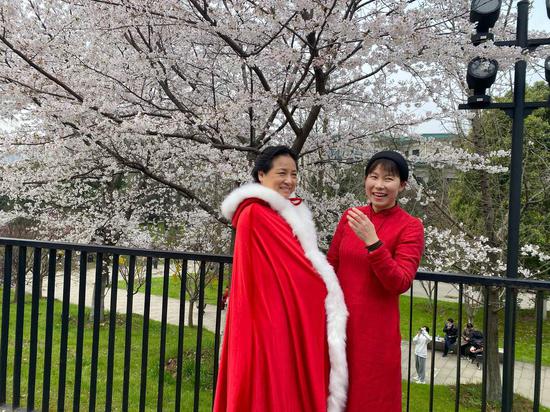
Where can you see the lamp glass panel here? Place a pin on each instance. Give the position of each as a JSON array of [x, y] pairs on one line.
[[486, 6], [547, 61], [482, 68]]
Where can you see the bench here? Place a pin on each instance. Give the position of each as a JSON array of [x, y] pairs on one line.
[[440, 346]]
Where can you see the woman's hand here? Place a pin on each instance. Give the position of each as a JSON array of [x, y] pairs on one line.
[[362, 226]]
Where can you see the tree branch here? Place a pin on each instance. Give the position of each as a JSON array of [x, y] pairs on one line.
[[41, 70]]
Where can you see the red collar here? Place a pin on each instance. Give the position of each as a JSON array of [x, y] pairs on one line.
[[385, 212]]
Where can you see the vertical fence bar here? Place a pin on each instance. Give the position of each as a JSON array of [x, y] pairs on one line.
[[36, 275], [6, 287], [198, 353], [181, 324], [145, 335], [458, 346], [49, 331], [410, 348], [164, 318], [64, 330], [219, 304], [128, 332], [485, 325], [509, 355], [432, 368], [80, 330], [538, 350], [112, 331], [98, 291], [19, 320]]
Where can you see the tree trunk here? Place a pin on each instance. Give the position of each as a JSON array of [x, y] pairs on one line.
[[428, 287], [43, 274], [472, 297], [103, 288], [494, 386], [190, 313], [15, 284]]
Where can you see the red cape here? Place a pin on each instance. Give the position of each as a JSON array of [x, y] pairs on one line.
[[274, 355]]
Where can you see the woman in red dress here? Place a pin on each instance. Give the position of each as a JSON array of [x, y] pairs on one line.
[[375, 252], [284, 340]]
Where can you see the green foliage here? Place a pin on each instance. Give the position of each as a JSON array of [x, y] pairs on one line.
[[484, 208]]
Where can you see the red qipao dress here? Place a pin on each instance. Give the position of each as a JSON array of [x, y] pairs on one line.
[[372, 283], [284, 339]]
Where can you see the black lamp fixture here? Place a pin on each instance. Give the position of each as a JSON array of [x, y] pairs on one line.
[[547, 69], [480, 76], [485, 13], [548, 8]]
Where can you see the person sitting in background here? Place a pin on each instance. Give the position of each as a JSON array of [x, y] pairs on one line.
[[421, 341], [476, 348], [465, 339], [476, 342], [451, 333]]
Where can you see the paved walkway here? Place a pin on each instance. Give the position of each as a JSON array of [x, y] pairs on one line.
[[445, 369], [138, 304]]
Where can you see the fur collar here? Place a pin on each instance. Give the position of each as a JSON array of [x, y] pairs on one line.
[[300, 220]]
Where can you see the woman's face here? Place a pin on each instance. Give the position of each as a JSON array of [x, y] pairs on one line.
[[282, 176], [382, 189]]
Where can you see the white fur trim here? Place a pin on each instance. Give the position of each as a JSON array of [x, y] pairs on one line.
[[301, 221]]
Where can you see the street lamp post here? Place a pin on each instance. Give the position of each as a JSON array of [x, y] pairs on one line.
[[517, 110]]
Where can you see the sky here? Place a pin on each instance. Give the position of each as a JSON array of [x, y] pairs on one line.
[[538, 20]]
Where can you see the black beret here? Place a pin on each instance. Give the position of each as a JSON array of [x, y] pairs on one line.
[[396, 158]]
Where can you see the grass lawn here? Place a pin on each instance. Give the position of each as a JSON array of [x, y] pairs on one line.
[[210, 292], [525, 325], [135, 368], [444, 399]]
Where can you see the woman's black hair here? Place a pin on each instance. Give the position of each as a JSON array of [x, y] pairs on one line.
[[264, 161], [391, 162], [387, 165], [427, 329]]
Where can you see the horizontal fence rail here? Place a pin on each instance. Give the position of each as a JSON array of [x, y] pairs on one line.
[[58, 353]]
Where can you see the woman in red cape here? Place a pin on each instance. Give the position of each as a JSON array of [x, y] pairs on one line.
[[375, 251], [284, 339]]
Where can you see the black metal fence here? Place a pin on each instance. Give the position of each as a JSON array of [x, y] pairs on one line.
[[30, 352], [513, 285], [34, 334]]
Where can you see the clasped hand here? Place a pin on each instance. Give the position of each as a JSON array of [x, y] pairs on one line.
[[362, 226]]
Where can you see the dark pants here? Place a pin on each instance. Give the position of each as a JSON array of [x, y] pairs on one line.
[[449, 342], [465, 349]]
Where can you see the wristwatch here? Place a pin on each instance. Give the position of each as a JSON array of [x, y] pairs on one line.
[[374, 246]]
